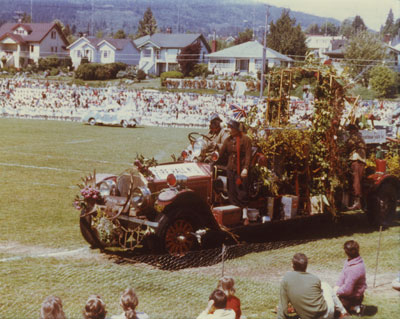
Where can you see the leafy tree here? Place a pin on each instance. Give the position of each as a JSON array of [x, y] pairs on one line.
[[358, 25], [330, 29], [189, 57], [389, 25], [383, 80], [245, 36], [346, 28], [148, 25], [313, 29], [26, 18], [120, 34], [361, 52], [99, 34], [287, 38]]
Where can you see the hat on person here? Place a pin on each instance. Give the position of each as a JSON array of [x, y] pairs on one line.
[[306, 87], [234, 124], [215, 117]]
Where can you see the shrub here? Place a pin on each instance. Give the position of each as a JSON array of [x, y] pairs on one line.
[[97, 71], [66, 62], [200, 70], [86, 71], [383, 81], [48, 63], [54, 71], [84, 60], [170, 74], [141, 75]]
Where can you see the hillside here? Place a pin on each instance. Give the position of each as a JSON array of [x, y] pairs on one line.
[[226, 17]]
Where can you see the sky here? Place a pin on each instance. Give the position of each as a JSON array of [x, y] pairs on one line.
[[373, 12]]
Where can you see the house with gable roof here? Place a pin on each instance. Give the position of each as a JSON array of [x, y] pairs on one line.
[[245, 58], [159, 52], [106, 50], [23, 43]]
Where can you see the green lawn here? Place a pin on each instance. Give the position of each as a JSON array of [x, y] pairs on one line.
[[42, 252]]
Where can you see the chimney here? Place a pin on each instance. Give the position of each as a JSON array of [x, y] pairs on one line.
[[214, 44]]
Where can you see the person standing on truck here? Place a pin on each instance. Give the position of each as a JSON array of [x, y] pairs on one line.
[[238, 149], [218, 134], [356, 151]]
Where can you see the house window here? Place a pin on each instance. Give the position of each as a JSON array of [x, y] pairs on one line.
[[55, 49], [158, 54], [32, 48], [53, 34], [78, 53], [87, 53], [106, 53], [52, 49], [147, 53]]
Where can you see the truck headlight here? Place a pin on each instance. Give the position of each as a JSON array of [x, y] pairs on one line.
[[107, 187], [140, 197]]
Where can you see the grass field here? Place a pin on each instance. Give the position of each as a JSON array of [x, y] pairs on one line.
[[42, 252]]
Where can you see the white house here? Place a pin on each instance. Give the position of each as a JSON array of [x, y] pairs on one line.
[[107, 50], [158, 53], [320, 44], [244, 58], [23, 43]]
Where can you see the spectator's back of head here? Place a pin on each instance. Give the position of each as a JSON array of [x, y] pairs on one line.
[[219, 298], [352, 249], [300, 262], [226, 284], [52, 308], [129, 301], [95, 308]]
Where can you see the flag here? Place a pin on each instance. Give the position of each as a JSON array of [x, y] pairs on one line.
[[238, 112]]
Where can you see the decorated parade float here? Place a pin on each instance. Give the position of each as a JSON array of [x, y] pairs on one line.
[[297, 173]]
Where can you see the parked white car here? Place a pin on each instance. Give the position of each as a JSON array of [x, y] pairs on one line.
[[112, 116]]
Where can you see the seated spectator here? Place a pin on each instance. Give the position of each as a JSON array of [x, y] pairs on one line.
[[310, 298], [226, 284], [95, 308], [216, 308], [52, 308], [129, 301], [351, 284]]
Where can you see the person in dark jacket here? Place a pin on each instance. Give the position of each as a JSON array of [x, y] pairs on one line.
[[351, 284], [238, 148]]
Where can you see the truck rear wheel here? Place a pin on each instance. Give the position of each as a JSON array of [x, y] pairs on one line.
[[381, 206], [88, 232]]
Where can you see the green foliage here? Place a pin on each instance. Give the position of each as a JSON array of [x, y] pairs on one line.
[[141, 75], [128, 73], [363, 92], [189, 57], [285, 37], [84, 60], [361, 51], [66, 62], [383, 80], [54, 71], [120, 34], [171, 75], [245, 36], [98, 71], [49, 63], [200, 70], [327, 28], [148, 25], [358, 24]]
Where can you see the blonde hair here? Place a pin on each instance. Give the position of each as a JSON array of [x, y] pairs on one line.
[[52, 308], [95, 308], [226, 284], [129, 301]]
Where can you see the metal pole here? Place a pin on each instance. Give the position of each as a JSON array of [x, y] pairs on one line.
[[223, 260], [377, 254], [264, 55]]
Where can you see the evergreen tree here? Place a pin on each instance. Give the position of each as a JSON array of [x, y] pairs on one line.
[[245, 36], [346, 28], [389, 26], [358, 25], [148, 25], [189, 57], [287, 38], [26, 18], [313, 29]]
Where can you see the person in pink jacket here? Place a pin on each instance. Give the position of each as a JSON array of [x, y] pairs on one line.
[[351, 284]]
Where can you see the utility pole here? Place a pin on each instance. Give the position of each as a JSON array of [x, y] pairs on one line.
[[264, 54]]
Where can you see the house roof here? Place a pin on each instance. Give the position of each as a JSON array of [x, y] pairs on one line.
[[118, 44], [37, 31], [250, 49], [139, 41], [338, 53], [16, 37], [174, 40]]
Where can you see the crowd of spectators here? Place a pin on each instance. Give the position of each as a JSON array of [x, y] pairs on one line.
[[23, 97], [301, 293]]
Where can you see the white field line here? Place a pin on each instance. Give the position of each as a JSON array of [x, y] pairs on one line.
[[41, 167], [79, 141], [67, 158], [47, 255]]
